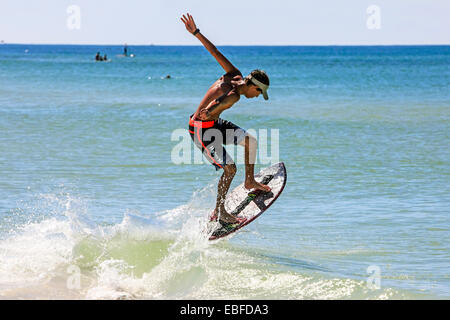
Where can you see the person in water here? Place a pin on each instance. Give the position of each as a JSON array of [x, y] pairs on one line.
[[205, 123]]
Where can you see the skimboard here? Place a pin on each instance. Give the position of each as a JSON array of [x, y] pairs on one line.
[[244, 203]]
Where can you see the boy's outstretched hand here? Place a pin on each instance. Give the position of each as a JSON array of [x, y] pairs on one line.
[[191, 27], [189, 23]]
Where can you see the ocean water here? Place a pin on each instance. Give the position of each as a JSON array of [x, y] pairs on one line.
[[93, 207]]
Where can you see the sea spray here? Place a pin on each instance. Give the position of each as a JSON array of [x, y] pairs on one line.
[[161, 255]]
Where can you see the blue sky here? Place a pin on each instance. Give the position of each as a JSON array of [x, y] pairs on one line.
[[232, 22]]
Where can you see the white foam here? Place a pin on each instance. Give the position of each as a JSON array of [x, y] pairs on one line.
[[155, 256]]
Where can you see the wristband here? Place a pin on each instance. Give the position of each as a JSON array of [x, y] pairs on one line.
[[196, 31]]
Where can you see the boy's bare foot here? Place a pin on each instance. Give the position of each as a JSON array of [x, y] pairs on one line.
[[224, 216], [256, 185]]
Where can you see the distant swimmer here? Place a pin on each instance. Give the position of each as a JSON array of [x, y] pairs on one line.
[[222, 95], [168, 76], [125, 50], [98, 57]]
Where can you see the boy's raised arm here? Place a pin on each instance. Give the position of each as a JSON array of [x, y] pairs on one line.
[[192, 28]]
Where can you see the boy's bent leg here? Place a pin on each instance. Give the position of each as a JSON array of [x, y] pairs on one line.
[[239, 136], [250, 145]]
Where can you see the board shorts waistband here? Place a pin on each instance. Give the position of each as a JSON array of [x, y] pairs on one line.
[[201, 123]]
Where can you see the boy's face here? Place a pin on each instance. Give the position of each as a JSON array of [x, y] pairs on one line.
[[253, 91]]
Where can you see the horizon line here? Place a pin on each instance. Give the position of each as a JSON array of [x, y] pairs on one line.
[[225, 45]]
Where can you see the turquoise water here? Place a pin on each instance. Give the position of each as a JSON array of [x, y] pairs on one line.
[[87, 180]]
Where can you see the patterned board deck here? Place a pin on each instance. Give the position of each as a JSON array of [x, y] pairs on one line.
[[251, 204]]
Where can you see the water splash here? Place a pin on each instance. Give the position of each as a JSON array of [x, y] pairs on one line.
[[163, 255]]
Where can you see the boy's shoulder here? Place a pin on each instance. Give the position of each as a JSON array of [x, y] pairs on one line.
[[233, 74]]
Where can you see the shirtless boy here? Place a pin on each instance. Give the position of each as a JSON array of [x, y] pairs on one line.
[[210, 133]]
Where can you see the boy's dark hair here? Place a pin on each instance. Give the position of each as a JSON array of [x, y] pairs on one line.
[[259, 75]]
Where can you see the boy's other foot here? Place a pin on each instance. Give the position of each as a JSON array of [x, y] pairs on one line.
[[256, 185], [224, 217]]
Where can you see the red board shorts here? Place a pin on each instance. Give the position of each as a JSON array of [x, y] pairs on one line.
[[211, 136]]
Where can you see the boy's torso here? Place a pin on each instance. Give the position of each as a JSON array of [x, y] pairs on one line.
[[222, 87]]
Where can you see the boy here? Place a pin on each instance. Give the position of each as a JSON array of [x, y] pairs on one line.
[[205, 123]]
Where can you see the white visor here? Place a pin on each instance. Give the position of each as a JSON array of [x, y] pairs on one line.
[[262, 86]]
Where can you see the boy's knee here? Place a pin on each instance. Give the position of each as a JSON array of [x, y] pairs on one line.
[[251, 140], [230, 169]]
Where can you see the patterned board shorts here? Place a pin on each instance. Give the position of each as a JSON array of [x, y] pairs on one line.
[[211, 136]]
